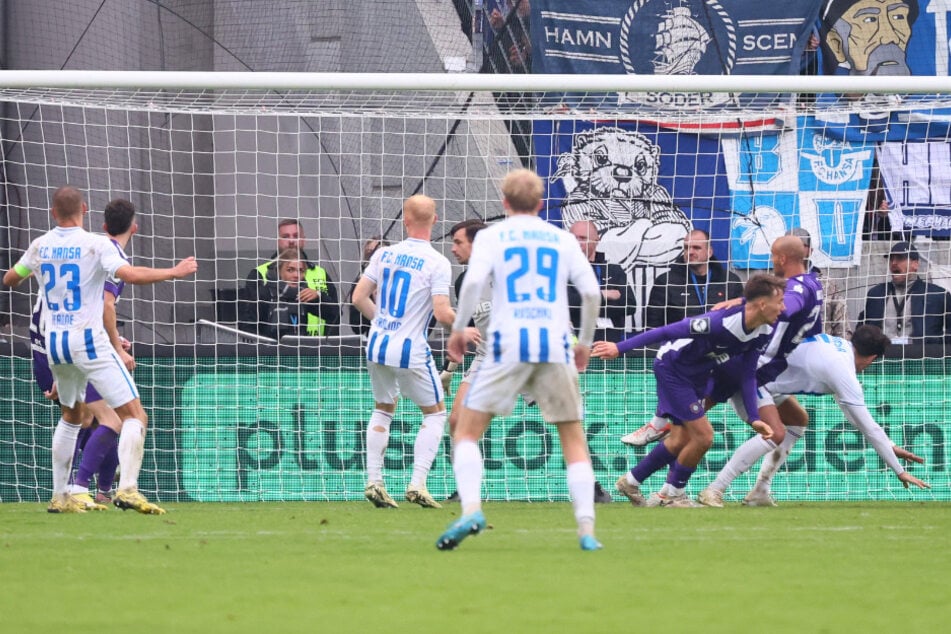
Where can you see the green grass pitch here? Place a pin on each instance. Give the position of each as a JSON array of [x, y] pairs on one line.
[[348, 567]]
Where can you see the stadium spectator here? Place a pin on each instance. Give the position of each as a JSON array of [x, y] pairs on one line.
[[879, 218], [528, 333], [75, 265], [835, 320], [908, 309], [507, 40], [290, 234], [617, 297], [506, 49], [401, 287], [683, 371], [285, 306], [358, 323], [695, 283]]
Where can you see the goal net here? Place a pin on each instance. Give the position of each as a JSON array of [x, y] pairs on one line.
[[244, 407]]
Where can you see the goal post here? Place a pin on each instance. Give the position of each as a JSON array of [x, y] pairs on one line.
[[214, 162]]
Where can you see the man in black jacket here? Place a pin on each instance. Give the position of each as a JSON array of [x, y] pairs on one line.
[[908, 309], [617, 298], [694, 284], [319, 287], [286, 305]]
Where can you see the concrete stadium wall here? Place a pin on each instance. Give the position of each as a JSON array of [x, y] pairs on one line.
[[200, 178]]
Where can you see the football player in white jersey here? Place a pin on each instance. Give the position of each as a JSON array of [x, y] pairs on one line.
[[821, 364], [72, 265], [529, 263], [402, 288]]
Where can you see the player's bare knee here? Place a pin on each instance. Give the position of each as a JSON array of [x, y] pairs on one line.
[[133, 409], [73, 415], [793, 414], [704, 440], [387, 408]]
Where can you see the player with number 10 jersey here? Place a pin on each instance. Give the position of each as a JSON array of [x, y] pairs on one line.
[[408, 274]]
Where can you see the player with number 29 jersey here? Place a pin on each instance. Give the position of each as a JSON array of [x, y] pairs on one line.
[[530, 263], [407, 275]]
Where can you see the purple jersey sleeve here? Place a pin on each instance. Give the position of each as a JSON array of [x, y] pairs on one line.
[[802, 318], [689, 328], [114, 286]]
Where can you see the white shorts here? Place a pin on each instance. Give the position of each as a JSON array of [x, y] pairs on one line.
[[88, 357], [763, 398], [473, 368], [420, 385], [553, 385]]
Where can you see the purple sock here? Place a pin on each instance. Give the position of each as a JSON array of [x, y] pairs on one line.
[[658, 458], [102, 441], [679, 475], [107, 470], [81, 441]]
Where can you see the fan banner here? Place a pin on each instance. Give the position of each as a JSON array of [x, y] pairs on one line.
[[657, 37], [885, 37], [643, 186], [800, 178], [921, 196]]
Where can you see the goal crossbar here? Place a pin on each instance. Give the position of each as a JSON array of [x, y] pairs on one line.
[[157, 80]]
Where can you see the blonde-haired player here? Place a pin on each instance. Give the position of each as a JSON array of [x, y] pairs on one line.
[[529, 263], [402, 288]]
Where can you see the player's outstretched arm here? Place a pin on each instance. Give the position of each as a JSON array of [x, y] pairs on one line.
[[904, 454], [456, 346], [908, 479], [145, 275], [728, 303], [604, 350], [112, 329], [442, 310]]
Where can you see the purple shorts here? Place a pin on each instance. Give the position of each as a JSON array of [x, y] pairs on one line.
[[677, 398], [44, 377], [721, 387]]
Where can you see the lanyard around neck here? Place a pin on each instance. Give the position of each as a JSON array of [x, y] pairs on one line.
[[703, 293]]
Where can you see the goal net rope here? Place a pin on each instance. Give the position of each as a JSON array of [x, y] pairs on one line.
[[242, 409]]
